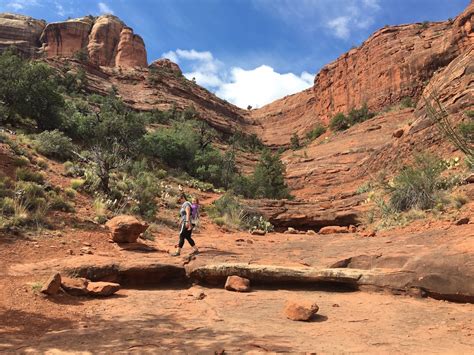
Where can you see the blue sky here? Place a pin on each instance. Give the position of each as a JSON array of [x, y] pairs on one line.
[[249, 51]]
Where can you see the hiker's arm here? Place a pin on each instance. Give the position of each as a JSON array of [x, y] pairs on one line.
[[188, 217]]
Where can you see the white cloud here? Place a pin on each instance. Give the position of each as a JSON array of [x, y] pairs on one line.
[[340, 25], [342, 18], [104, 8], [256, 87], [18, 5], [262, 85]]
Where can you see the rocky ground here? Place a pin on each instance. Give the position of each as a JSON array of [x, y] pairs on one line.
[[158, 313]]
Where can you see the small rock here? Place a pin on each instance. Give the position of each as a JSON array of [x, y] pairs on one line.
[[237, 283], [102, 289], [291, 230], [300, 310], [470, 179], [86, 250], [352, 229], [258, 232], [70, 252], [311, 232], [398, 133], [249, 241], [461, 221], [75, 286], [51, 287], [87, 244], [125, 229], [199, 295], [333, 230]]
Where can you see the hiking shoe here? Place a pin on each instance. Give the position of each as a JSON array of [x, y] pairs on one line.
[[194, 252], [176, 253]]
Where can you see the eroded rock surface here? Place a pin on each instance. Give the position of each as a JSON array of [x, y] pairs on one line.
[[22, 32], [125, 229]]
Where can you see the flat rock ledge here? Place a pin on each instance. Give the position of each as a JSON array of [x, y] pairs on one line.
[[436, 283]]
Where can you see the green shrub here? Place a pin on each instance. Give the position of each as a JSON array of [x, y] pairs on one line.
[[42, 164], [459, 200], [269, 177], [30, 194], [467, 131], [339, 122], [23, 174], [249, 142], [295, 142], [6, 187], [54, 144], [21, 161], [7, 206], [58, 203], [70, 192], [76, 184], [469, 114], [316, 132], [407, 102], [145, 190], [417, 186]]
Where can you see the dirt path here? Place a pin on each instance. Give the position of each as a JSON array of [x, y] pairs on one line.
[[148, 321]]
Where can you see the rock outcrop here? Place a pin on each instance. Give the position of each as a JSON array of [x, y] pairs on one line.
[[131, 50], [67, 38], [164, 64], [22, 32], [105, 40]]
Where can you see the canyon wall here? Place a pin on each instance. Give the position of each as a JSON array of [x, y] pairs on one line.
[[395, 62]]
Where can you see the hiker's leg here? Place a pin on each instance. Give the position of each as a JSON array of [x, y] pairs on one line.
[[190, 240], [182, 236]]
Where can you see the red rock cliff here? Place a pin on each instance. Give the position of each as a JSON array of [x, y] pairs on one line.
[[395, 62]]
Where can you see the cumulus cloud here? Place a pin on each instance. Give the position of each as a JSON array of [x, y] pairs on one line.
[[255, 87], [104, 8], [340, 25]]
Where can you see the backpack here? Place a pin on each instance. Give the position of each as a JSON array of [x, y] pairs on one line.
[[194, 213]]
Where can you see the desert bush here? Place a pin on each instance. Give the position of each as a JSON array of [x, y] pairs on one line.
[[58, 203], [315, 132], [249, 142], [269, 177], [70, 192], [100, 209], [467, 131], [21, 161], [365, 187], [42, 164], [145, 190], [407, 102], [29, 89], [459, 200], [76, 184], [438, 114], [418, 185], [54, 144], [24, 174], [295, 142], [339, 122]]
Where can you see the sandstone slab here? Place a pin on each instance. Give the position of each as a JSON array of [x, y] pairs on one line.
[[237, 283], [102, 289], [51, 287], [75, 286]]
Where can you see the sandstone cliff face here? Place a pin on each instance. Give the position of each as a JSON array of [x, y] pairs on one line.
[[105, 39], [131, 50], [64, 39], [166, 65], [23, 32], [395, 62]]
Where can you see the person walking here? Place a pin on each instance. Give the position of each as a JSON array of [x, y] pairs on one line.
[[186, 227]]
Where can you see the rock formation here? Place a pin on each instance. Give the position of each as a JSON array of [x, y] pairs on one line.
[[22, 32], [65, 39], [104, 39], [131, 50], [395, 62]]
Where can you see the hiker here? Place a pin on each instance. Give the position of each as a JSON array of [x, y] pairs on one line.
[[195, 213], [186, 227]]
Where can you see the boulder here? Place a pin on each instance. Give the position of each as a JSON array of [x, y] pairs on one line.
[[237, 283], [102, 289], [333, 230], [75, 286], [125, 229], [51, 287], [398, 133], [258, 232], [462, 221], [300, 310]]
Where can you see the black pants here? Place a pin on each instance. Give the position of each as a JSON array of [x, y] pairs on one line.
[[186, 234]]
